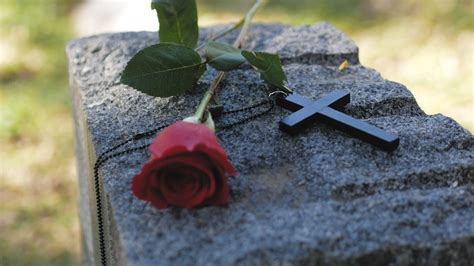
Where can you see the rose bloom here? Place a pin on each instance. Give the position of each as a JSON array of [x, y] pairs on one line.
[[187, 168]]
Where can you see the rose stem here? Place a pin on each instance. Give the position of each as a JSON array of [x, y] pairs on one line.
[[219, 35], [222, 33], [201, 110]]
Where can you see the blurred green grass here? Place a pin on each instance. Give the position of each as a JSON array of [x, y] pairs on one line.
[[39, 221], [426, 45]]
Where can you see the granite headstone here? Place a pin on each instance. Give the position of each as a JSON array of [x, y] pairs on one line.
[[319, 197]]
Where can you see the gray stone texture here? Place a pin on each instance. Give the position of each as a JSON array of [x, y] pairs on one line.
[[320, 197]]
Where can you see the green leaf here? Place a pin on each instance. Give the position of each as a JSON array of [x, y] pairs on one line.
[[269, 66], [178, 21], [164, 69], [223, 57]]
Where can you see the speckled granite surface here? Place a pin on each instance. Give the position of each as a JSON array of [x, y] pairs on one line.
[[318, 197]]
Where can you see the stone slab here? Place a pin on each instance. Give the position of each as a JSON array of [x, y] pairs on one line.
[[318, 197], [294, 44]]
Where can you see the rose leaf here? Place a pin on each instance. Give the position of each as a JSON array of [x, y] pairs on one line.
[[178, 21], [223, 57], [269, 66], [163, 70]]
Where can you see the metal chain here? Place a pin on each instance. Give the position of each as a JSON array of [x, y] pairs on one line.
[[114, 153], [103, 158], [248, 118]]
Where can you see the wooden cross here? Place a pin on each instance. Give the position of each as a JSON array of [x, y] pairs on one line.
[[327, 109]]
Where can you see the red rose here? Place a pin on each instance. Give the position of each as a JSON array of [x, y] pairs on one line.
[[187, 169]]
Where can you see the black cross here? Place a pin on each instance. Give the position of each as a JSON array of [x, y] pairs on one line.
[[326, 110]]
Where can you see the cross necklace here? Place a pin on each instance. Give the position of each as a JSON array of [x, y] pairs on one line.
[[328, 110]]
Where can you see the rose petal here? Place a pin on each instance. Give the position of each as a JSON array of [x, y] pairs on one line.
[[173, 193], [219, 159], [156, 199], [184, 181], [196, 165], [183, 136], [199, 168], [141, 180], [221, 195], [182, 200], [197, 200], [198, 161]]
